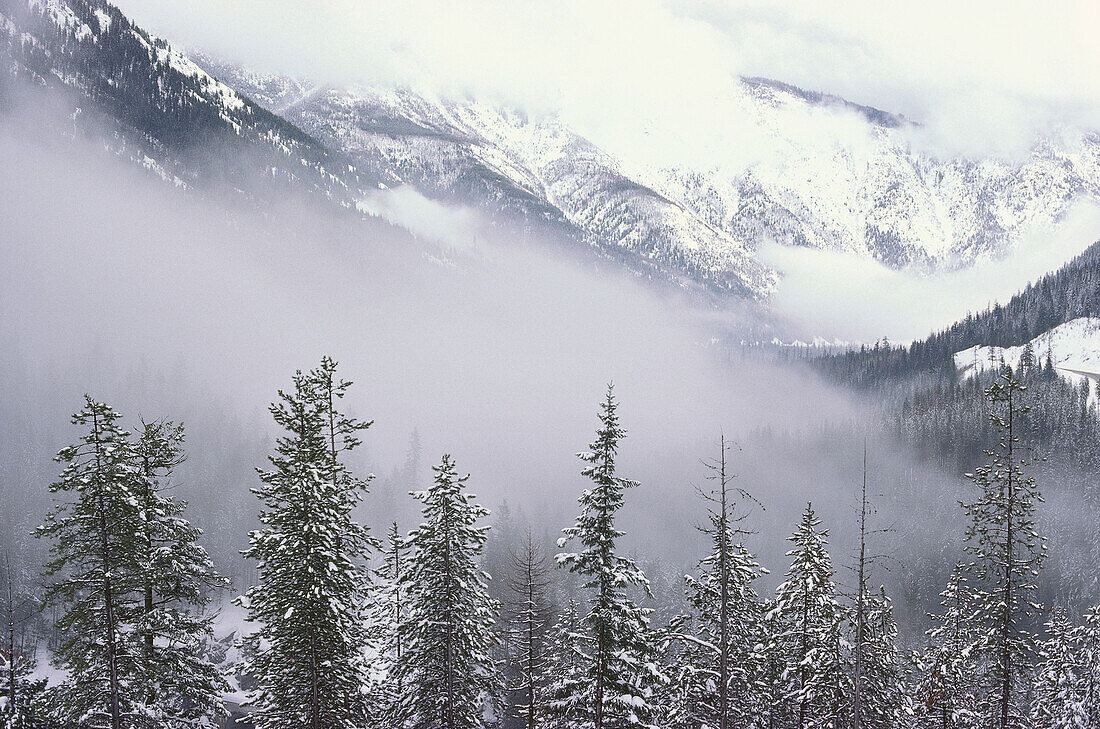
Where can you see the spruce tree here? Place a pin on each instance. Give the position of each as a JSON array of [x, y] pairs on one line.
[[568, 670], [182, 687], [1008, 553], [946, 682], [719, 669], [882, 688], [619, 678], [96, 532], [529, 613], [389, 615], [806, 622], [447, 677], [1061, 679], [309, 651]]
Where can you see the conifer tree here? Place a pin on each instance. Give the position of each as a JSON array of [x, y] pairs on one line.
[[309, 651], [96, 533], [447, 676], [720, 669], [882, 689], [807, 620], [1008, 553], [566, 692], [529, 614], [182, 687], [1061, 678], [390, 611], [619, 678], [945, 684]]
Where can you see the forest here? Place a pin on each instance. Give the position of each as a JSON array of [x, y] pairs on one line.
[[449, 625]]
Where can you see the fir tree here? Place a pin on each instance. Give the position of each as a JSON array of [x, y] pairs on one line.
[[96, 541], [390, 615], [568, 670], [1061, 679], [946, 682], [529, 615], [619, 677], [882, 689], [309, 651], [1008, 553], [807, 625], [719, 670], [182, 687], [447, 676]]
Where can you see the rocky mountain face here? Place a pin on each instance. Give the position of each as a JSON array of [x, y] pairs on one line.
[[865, 192], [196, 122], [144, 100]]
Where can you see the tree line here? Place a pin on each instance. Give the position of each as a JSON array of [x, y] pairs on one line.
[[353, 631]]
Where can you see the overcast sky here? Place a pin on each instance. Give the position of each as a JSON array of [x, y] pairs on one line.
[[983, 77]]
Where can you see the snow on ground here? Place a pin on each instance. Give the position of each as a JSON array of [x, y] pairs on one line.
[[1073, 348]]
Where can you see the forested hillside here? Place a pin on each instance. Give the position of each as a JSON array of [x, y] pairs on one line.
[[1072, 291]]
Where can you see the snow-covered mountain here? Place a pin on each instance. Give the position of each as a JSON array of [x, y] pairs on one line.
[[1073, 349], [143, 100], [836, 176], [864, 192]]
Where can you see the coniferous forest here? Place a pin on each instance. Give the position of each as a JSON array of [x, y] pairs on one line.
[[345, 626]]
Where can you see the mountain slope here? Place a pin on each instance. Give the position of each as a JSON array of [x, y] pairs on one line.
[[148, 102], [836, 176]]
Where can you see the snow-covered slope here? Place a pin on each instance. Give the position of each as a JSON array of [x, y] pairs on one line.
[[1073, 348], [144, 100], [836, 176]]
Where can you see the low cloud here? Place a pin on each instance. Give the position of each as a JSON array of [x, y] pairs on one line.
[[843, 296]]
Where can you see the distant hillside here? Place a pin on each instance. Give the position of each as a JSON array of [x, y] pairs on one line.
[[1070, 293]]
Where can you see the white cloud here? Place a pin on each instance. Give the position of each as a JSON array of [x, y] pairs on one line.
[[841, 296], [983, 77]]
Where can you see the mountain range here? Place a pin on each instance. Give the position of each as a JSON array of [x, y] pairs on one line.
[[195, 121]]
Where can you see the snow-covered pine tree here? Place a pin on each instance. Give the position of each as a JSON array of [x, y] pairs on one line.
[[945, 683], [806, 625], [20, 693], [568, 672], [876, 684], [619, 675], [529, 613], [388, 617], [309, 651], [1061, 678], [719, 670], [882, 690], [1008, 553], [447, 676], [1089, 632], [96, 533], [182, 688]]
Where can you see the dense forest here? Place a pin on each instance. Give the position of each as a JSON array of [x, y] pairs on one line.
[[440, 626]]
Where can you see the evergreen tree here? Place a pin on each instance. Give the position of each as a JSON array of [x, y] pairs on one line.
[[529, 614], [96, 542], [447, 676], [1008, 553], [20, 694], [568, 670], [718, 673], [309, 651], [1061, 688], [946, 682], [619, 678], [882, 688], [807, 623], [389, 616], [182, 687]]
